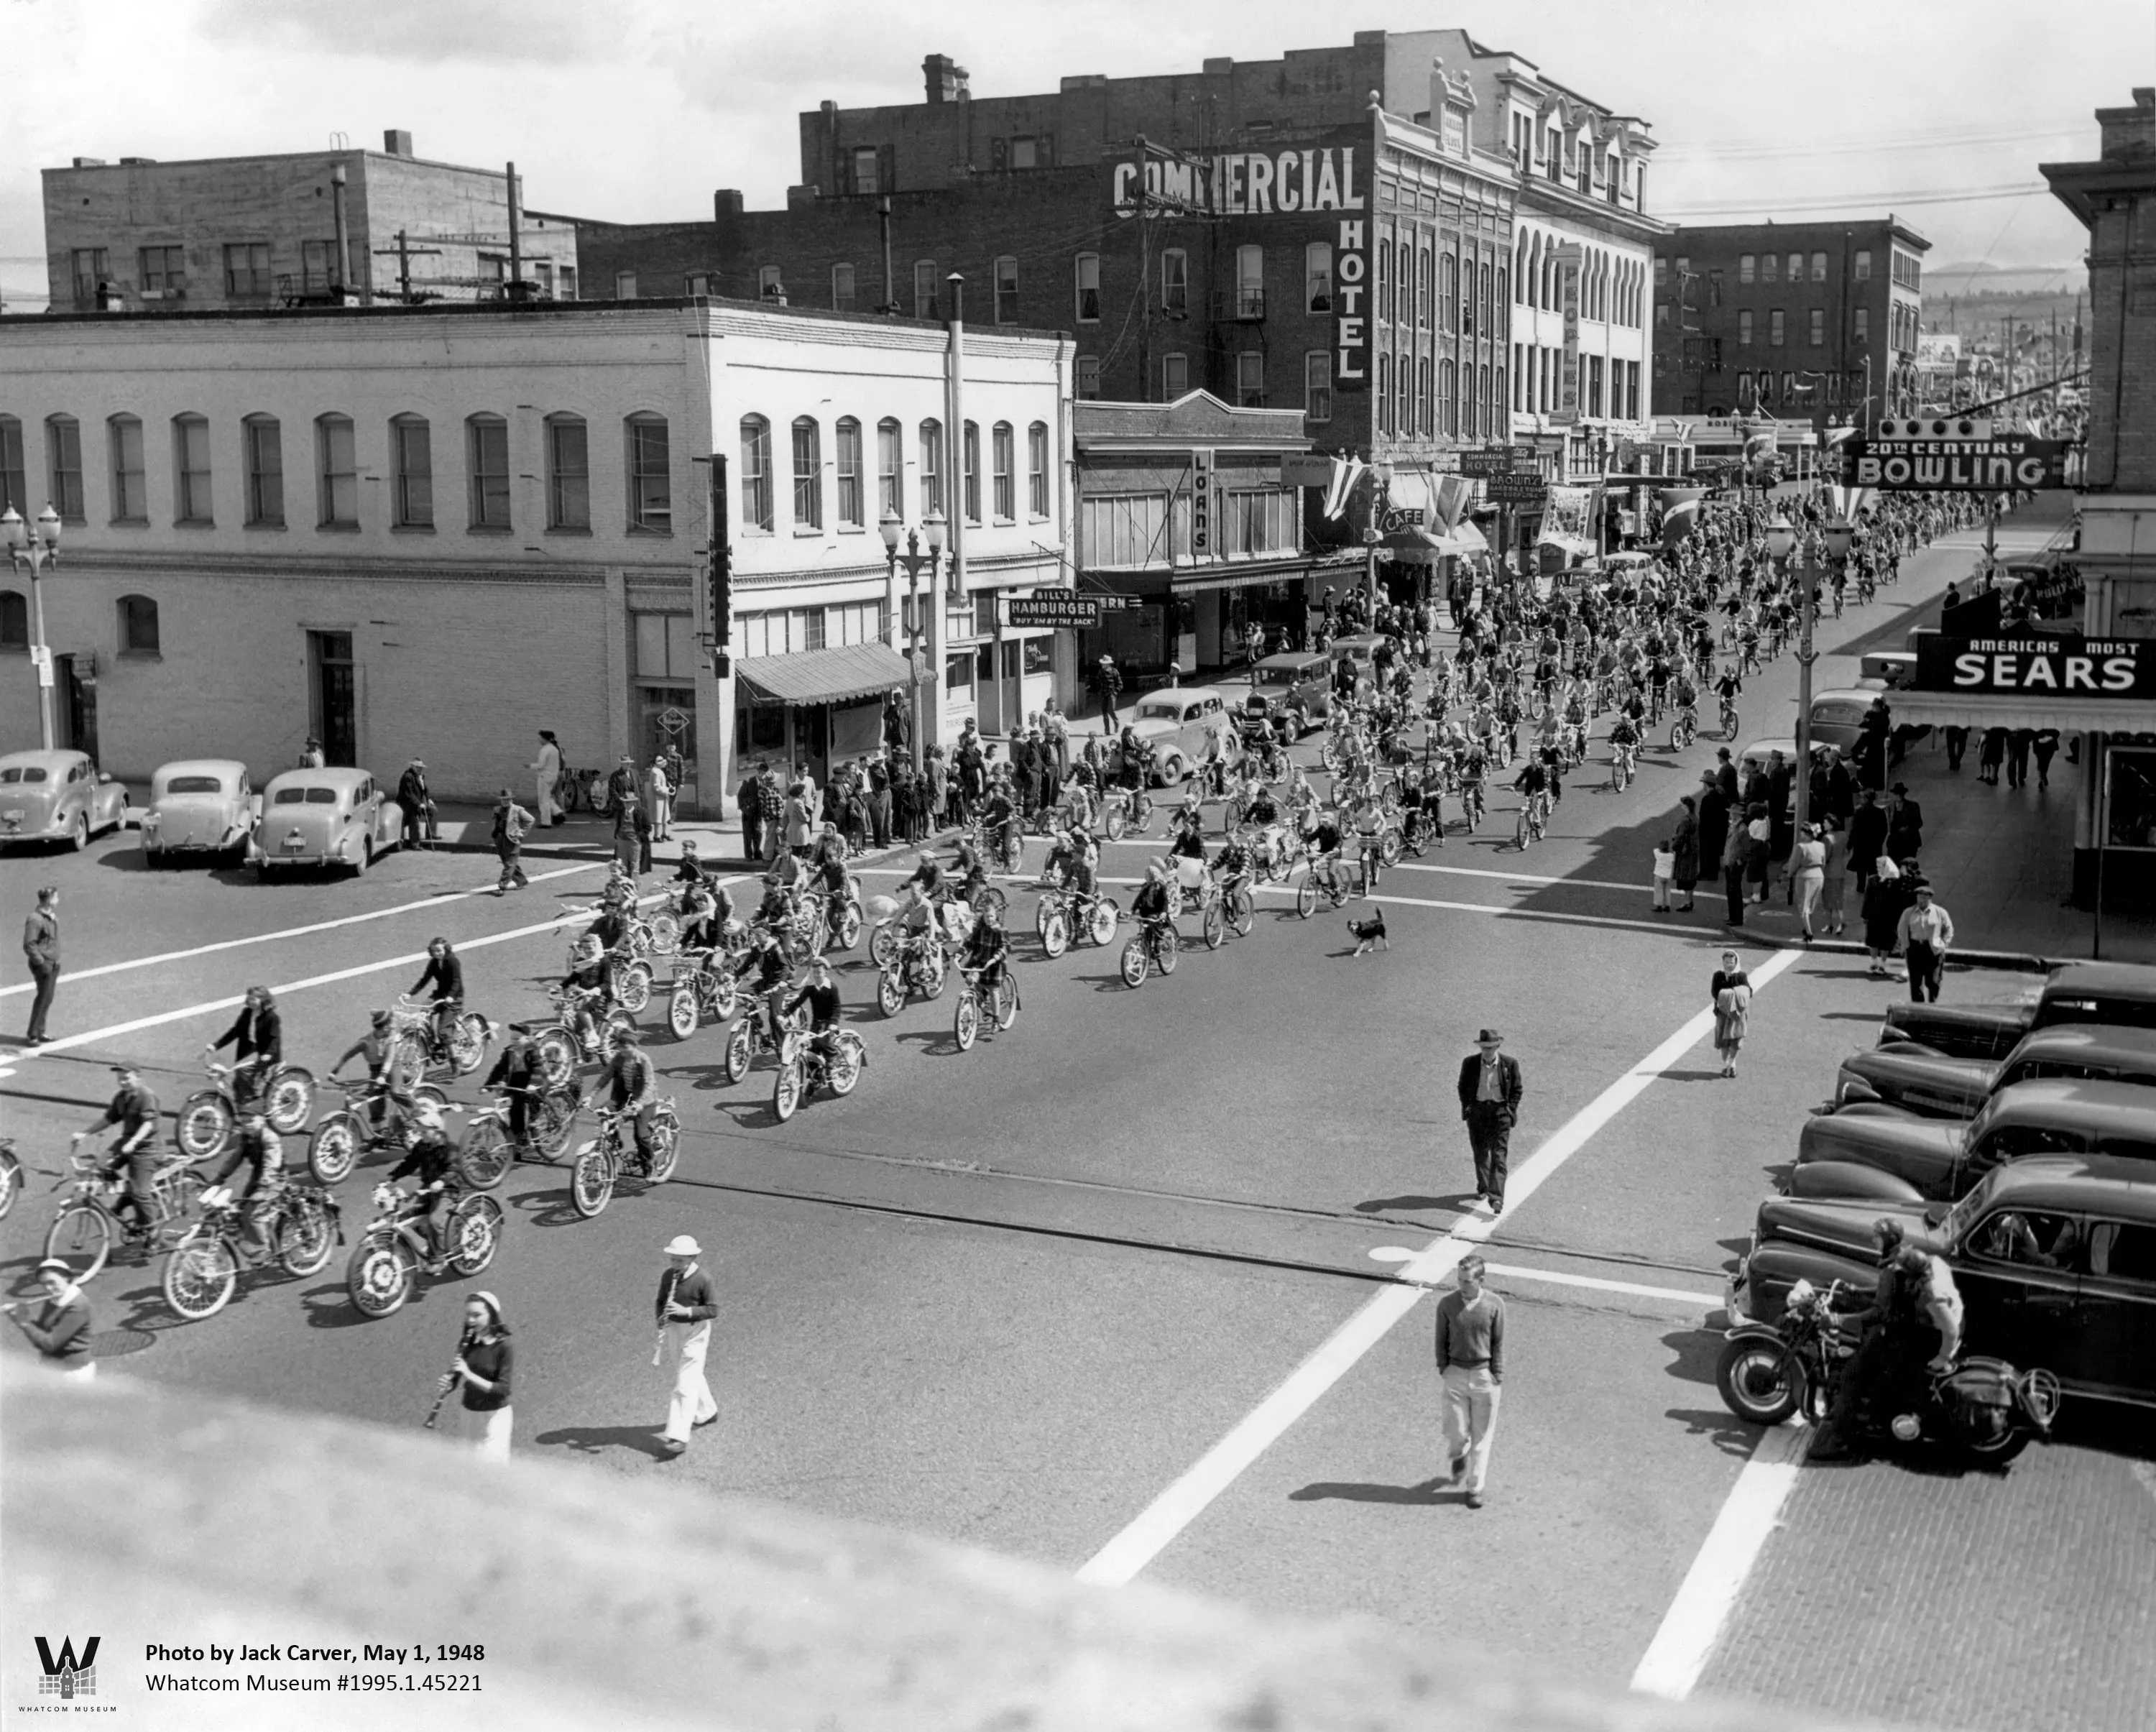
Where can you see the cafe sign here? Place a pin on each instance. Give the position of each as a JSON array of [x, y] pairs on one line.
[[2036, 664]]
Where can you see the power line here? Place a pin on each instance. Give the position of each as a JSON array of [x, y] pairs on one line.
[[1764, 148], [1894, 201]]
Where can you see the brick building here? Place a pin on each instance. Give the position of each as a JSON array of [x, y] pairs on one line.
[[430, 532], [1332, 232], [1789, 318], [262, 231]]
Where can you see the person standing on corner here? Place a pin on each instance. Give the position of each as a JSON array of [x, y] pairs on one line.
[[748, 798], [687, 1307], [1489, 1092], [511, 822], [59, 1328], [1867, 838], [1734, 843], [1730, 993], [1809, 863], [1926, 931], [1684, 851], [41, 949], [1470, 1366], [417, 804], [545, 772], [1107, 682], [630, 844], [485, 1365]]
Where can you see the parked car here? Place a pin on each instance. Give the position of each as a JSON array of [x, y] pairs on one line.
[[199, 805], [1890, 1156], [2119, 994], [1293, 676], [56, 797], [326, 817], [1887, 670], [1838, 717], [1361, 647], [1907, 1080], [1174, 721], [2054, 1258]]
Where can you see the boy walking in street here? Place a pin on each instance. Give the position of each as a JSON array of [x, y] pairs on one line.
[[1471, 1365]]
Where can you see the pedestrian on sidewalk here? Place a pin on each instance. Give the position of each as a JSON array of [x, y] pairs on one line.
[[628, 846], [1758, 850], [311, 757], [621, 785], [748, 798], [1665, 859], [937, 776], [1470, 1370], [1834, 877], [416, 803], [545, 772], [1489, 1092], [1905, 825], [1883, 906], [658, 798], [511, 822], [2018, 743], [1925, 930], [41, 950], [1729, 993], [687, 1307], [1736, 841], [1056, 735], [897, 726], [879, 798], [2045, 746], [1107, 682], [770, 800], [800, 819], [1956, 745], [1808, 863], [1991, 755], [1867, 838], [59, 1327], [1684, 851], [485, 1367]]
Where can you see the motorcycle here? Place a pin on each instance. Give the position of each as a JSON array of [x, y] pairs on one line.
[[385, 1265], [300, 1225], [611, 1155], [562, 1042], [420, 1049], [803, 1066], [1983, 1408], [1154, 946], [966, 1014], [206, 1118], [704, 991], [922, 965], [349, 1131], [751, 1033], [487, 1149]]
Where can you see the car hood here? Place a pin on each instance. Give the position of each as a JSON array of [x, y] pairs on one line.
[[1879, 1140], [1842, 1227], [1962, 1031], [1924, 1082]]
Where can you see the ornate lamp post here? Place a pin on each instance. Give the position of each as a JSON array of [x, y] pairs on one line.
[[916, 561], [36, 550]]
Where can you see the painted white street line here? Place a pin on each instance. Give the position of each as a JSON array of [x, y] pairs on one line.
[[290, 932], [1156, 1526], [1520, 1272], [1690, 1628]]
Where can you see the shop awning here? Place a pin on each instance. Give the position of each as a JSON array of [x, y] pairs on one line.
[[1211, 578], [1426, 547], [826, 676], [2033, 709]]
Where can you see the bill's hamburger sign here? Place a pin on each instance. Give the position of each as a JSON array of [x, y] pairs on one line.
[[1958, 456]]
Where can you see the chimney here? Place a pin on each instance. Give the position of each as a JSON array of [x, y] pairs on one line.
[[801, 198], [397, 142], [945, 79], [1218, 67], [89, 162], [726, 204]]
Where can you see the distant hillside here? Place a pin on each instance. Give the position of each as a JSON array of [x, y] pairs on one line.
[[1959, 278]]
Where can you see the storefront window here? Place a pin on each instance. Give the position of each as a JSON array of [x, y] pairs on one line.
[[958, 671], [2132, 802], [1036, 651]]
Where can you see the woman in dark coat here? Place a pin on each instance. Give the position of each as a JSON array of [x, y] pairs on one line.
[[1714, 822], [1684, 872], [1885, 899]]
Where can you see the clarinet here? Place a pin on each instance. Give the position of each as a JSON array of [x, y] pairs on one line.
[[665, 1298], [449, 1378]]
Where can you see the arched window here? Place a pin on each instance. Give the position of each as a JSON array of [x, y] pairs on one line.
[[262, 443], [486, 455], [970, 457], [568, 473], [851, 493], [807, 474], [130, 499], [138, 625], [337, 470], [411, 461], [931, 467], [1384, 268], [891, 463], [14, 490], [650, 474], [64, 449], [14, 620], [755, 474]]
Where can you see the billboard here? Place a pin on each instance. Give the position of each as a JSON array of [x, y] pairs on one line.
[[1991, 464]]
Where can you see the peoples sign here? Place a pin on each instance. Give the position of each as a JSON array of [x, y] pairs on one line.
[[2055, 666]]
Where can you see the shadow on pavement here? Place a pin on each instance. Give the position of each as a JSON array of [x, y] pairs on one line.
[[1696, 1351], [1381, 1206], [1728, 1433], [590, 1440], [1430, 1493]]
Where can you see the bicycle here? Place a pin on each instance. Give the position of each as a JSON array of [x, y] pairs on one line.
[[965, 1012], [384, 1267], [1324, 876], [297, 1224], [420, 1047], [344, 1135], [1623, 762], [1125, 811], [85, 1231], [1533, 819], [1154, 947], [610, 1157], [1728, 719], [1685, 729], [703, 991], [751, 1033], [488, 1150], [285, 1093]]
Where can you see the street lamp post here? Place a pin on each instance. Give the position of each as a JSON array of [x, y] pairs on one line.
[[915, 561], [1832, 542], [36, 550]]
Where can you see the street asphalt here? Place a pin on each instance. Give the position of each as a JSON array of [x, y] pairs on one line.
[[1011, 1296]]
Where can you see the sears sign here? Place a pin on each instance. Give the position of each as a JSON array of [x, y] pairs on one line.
[[2054, 666]]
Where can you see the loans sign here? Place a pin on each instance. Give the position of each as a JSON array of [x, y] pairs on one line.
[[2003, 461], [2053, 666]]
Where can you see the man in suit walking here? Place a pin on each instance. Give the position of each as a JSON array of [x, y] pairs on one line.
[[1490, 1102], [687, 1307], [41, 949]]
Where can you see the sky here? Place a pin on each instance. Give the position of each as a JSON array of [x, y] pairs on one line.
[[635, 110]]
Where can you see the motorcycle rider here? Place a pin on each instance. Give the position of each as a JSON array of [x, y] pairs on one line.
[[445, 973], [631, 1080], [377, 1046], [1871, 1369], [257, 1040]]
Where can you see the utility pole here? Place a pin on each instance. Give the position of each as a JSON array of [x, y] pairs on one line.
[[890, 289], [515, 239], [1144, 285]]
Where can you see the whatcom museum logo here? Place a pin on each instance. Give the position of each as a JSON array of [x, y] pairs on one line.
[[67, 1676]]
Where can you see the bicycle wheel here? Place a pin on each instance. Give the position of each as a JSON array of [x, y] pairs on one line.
[[1306, 896], [590, 1185], [1242, 912], [992, 896], [966, 1020], [559, 1054], [939, 973], [849, 933], [1055, 934], [722, 990], [1214, 924], [665, 1147], [682, 1010], [1164, 950], [847, 1059], [11, 1182], [201, 1274], [291, 1099], [635, 985], [786, 1091], [484, 1156], [81, 1236], [1134, 964], [408, 1062], [1115, 823], [890, 992], [740, 1049], [1006, 1002], [333, 1150], [307, 1237], [553, 1117], [205, 1121], [1102, 922], [1388, 845], [665, 933], [378, 1277], [475, 1234], [467, 1036]]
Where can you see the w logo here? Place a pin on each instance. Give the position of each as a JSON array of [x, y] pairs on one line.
[[66, 1676]]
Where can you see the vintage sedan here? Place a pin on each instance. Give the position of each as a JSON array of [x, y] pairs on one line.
[[1300, 677], [1361, 647], [2122, 994], [1892, 1156], [56, 797], [199, 805], [1175, 723], [1904, 1079], [2054, 1258], [326, 817]]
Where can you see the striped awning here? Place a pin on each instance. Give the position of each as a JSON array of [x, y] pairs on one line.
[[827, 677], [2033, 709]]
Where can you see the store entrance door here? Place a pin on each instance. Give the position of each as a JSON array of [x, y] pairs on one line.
[[78, 695]]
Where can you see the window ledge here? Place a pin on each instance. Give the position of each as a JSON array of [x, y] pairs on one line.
[[488, 529], [265, 524], [194, 523], [655, 533], [582, 530], [140, 655], [337, 529], [129, 523], [802, 532], [411, 529], [853, 529]]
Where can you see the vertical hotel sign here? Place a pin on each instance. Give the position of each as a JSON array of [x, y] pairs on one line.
[[1567, 384], [1351, 287]]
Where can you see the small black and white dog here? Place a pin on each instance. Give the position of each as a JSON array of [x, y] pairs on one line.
[[1370, 933]]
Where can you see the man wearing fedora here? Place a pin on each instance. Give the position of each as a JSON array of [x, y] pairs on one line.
[[687, 1307], [1490, 1102]]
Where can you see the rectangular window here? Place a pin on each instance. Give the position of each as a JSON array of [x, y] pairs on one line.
[[568, 473], [1036, 469], [650, 476], [314, 259], [1770, 267], [90, 269], [1249, 282], [1175, 281], [842, 288], [1002, 454], [1714, 288], [1862, 324], [1087, 268], [850, 489], [891, 461], [488, 461], [63, 435], [1121, 529], [162, 270], [191, 463], [1819, 267], [807, 475], [1863, 267], [665, 647], [931, 467], [247, 271], [624, 285], [1819, 327], [924, 289], [1743, 327], [412, 449], [1006, 291], [1747, 267], [334, 451], [972, 457], [755, 474], [1174, 376], [1088, 380], [264, 444], [1250, 378], [865, 176], [1661, 272], [1260, 521], [131, 501], [1796, 267], [1024, 153], [1317, 276], [1774, 331]]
